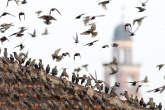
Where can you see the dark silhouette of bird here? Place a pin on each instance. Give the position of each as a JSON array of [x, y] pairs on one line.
[[47, 19], [137, 89], [139, 20], [6, 13], [128, 28], [54, 9], [5, 26], [3, 39], [85, 66], [47, 69], [159, 66], [73, 77], [79, 16], [21, 46], [64, 74], [94, 17], [104, 3], [21, 14], [23, 2], [54, 71], [76, 40], [76, 54], [91, 43], [105, 46], [141, 9], [83, 78], [33, 34]]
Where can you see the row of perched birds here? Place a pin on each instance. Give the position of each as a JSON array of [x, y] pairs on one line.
[[47, 19], [17, 70]]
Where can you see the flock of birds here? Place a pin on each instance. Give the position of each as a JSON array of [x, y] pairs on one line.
[[85, 80]]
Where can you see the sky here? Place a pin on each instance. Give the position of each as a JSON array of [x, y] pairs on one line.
[[148, 43]]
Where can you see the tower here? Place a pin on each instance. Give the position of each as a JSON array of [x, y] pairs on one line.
[[128, 71]]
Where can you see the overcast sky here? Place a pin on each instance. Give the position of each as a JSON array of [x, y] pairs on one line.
[[148, 43]]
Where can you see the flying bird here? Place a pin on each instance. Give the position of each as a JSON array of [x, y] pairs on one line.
[[160, 66], [6, 13], [86, 20], [94, 17], [105, 46], [79, 16], [47, 19], [128, 28], [76, 54], [104, 3], [3, 39], [144, 3], [141, 9], [139, 20], [21, 14], [23, 2], [76, 40], [91, 43], [21, 46], [33, 34], [54, 9]]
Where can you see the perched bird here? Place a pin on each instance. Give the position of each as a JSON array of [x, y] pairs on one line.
[[160, 66], [83, 79], [47, 19], [76, 40], [21, 46], [64, 73], [54, 71], [21, 14], [54, 9], [104, 3], [79, 16], [141, 9], [6, 13], [33, 34], [91, 43], [47, 69], [73, 77], [3, 39], [76, 54]]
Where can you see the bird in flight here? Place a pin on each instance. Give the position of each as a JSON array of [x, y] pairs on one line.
[[6, 13], [54, 9], [141, 9], [76, 40], [104, 3], [33, 34], [160, 66], [21, 14], [47, 19], [91, 43], [79, 16]]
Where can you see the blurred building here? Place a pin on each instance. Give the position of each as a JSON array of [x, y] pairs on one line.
[[128, 71]]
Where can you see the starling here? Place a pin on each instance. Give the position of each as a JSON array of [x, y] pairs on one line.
[[104, 3], [6, 13], [33, 34], [79, 16], [91, 43], [141, 9], [54, 71], [21, 14], [47, 69], [76, 54], [73, 77], [47, 19], [54, 9]]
